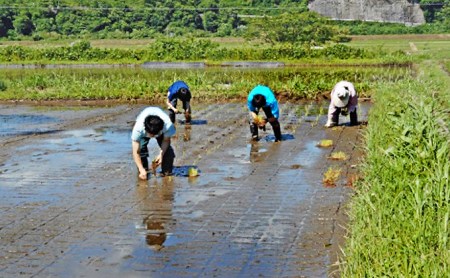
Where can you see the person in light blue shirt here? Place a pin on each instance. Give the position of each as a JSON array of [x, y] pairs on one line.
[[153, 122], [262, 97], [179, 90]]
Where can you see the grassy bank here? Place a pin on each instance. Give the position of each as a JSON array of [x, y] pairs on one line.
[[400, 213]]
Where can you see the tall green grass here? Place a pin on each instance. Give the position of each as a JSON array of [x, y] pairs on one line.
[[400, 213]]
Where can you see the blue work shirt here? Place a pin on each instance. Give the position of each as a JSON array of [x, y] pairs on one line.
[[173, 89], [271, 101]]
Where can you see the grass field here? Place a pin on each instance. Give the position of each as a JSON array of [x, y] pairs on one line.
[[428, 46]]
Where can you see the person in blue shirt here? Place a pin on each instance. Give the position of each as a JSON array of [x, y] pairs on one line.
[[179, 90], [262, 97], [153, 122]]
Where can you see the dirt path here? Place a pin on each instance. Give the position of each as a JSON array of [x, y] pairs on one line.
[[72, 205]]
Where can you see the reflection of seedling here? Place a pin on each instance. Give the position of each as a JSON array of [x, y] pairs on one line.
[[331, 176], [192, 172], [154, 166], [338, 156], [325, 143], [307, 108]]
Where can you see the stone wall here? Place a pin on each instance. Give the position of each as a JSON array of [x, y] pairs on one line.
[[400, 11]]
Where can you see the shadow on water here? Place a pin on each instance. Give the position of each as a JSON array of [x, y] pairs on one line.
[[284, 137], [179, 171], [194, 122], [183, 171]]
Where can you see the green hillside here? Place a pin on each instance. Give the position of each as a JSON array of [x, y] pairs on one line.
[[46, 19]]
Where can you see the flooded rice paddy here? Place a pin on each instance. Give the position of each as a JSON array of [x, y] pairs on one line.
[[73, 206]]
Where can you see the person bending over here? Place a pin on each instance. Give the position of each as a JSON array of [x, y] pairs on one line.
[[262, 97], [153, 122], [179, 90], [344, 101]]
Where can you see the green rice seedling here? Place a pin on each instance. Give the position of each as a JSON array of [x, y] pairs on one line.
[[331, 176], [338, 156], [325, 143]]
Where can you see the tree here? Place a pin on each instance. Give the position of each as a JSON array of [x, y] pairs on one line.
[[293, 27], [23, 24]]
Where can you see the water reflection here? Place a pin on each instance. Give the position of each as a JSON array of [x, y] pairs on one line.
[[187, 133], [256, 153], [156, 203]]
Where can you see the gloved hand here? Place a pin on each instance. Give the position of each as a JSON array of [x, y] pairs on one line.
[[344, 111]]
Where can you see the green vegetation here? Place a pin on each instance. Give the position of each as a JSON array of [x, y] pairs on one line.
[[194, 50], [147, 84], [400, 214], [109, 19]]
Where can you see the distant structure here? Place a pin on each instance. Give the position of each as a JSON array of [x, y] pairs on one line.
[[395, 11]]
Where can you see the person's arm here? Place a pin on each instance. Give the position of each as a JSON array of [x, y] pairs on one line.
[[137, 159], [164, 147], [169, 104]]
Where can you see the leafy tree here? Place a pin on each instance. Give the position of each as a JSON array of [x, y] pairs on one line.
[[293, 27], [23, 24]]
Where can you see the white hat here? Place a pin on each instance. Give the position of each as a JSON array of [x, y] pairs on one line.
[[340, 97]]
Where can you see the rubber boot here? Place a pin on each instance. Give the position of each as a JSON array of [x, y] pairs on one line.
[[254, 131], [335, 117], [277, 131], [167, 162], [188, 117], [353, 118]]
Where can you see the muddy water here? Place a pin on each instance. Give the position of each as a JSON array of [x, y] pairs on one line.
[[72, 205]]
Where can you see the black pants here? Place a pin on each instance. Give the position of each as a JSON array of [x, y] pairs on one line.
[[275, 125], [167, 159], [353, 116], [186, 107]]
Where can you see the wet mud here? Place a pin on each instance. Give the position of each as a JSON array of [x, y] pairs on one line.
[[73, 206]]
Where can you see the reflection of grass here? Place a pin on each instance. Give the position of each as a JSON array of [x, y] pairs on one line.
[[338, 156], [325, 143], [331, 176]]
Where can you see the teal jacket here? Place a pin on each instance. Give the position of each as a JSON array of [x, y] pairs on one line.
[[271, 101]]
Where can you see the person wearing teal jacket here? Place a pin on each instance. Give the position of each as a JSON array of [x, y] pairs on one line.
[[262, 97]]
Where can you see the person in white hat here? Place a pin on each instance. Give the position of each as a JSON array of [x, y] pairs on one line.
[[344, 101]]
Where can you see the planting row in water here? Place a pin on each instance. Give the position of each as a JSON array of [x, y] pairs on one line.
[[206, 84]]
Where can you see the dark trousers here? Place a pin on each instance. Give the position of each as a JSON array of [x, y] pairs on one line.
[[353, 116], [275, 125], [186, 107], [167, 159]]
